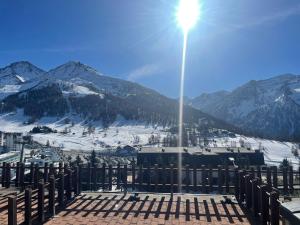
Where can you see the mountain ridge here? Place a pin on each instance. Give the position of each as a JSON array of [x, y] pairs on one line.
[[250, 106], [79, 89]]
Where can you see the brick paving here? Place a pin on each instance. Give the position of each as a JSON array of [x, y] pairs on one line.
[[110, 208]]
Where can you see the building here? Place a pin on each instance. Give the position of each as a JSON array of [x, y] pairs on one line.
[[196, 156], [1, 139], [10, 157], [12, 141]]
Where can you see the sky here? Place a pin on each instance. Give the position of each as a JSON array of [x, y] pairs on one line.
[[233, 42]]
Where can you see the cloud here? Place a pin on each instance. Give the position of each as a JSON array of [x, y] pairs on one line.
[[144, 71]]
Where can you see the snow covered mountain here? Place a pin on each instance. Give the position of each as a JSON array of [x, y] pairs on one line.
[[77, 89], [269, 108], [19, 76]]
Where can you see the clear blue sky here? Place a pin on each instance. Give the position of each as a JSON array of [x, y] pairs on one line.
[[234, 41]]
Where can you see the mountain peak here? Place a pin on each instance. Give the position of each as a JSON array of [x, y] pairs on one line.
[[16, 67]]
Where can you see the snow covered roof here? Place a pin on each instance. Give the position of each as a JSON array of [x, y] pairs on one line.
[[196, 150]]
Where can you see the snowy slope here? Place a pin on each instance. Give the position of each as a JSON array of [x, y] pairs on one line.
[[83, 75], [124, 132], [120, 133]]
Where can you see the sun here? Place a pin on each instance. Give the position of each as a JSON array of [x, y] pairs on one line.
[[188, 13]]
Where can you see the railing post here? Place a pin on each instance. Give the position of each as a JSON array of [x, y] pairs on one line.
[[259, 172], [195, 178], [255, 197], [22, 177], [156, 177], [28, 210], [236, 183], [61, 190], [94, 177], [248, 191], [133, 175], [164, 177], [79, 179], [172, 179], [41, 198], [3, 177], [275, 178], [285, 180], [210, 179], [51, 170], [220, 179], [227, 179], [31, 173], [274, 205], [264, 199], [148, 177], [36, 176], [8, 175], [12, 210], [69, 184], [242, 186], [203, 176], [52, 195], [46, 172], [110, 177], [125, 177], [187, 178], [17, 181], [291, 179], [103, 176], [89, 176], [269, 177], [76, 182], [140, 176], [60, 167], [119, 175]]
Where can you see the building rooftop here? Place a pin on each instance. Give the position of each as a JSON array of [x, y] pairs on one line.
[[197, 150], [8, 155]]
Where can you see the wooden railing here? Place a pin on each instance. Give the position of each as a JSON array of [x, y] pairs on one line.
[[256, 188], [40, 199], [262, 198], [132, 177]]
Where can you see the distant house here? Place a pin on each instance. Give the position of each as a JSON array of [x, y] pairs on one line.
[[194, 156]]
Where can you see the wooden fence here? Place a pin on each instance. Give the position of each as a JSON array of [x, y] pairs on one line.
[[42, 196], [261, 198], [131, 177], [257, 188]]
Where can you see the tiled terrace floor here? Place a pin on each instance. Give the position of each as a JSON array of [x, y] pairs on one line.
[[150, 209], [112, 208]]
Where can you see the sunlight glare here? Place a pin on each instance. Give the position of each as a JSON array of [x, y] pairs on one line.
[[188, 13]]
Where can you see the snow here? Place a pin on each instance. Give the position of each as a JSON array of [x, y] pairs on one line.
[[21, 79], [124, 132], [120, 133], [297, 90], [81, 91], [274, 151]]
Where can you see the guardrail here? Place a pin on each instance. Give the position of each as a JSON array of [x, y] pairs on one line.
[[261, 198], [40, 202]]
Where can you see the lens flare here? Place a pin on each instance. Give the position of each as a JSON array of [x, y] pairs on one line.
[[188, 13]]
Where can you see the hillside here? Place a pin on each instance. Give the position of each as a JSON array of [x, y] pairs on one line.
[[267, 108], [77, 89]]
